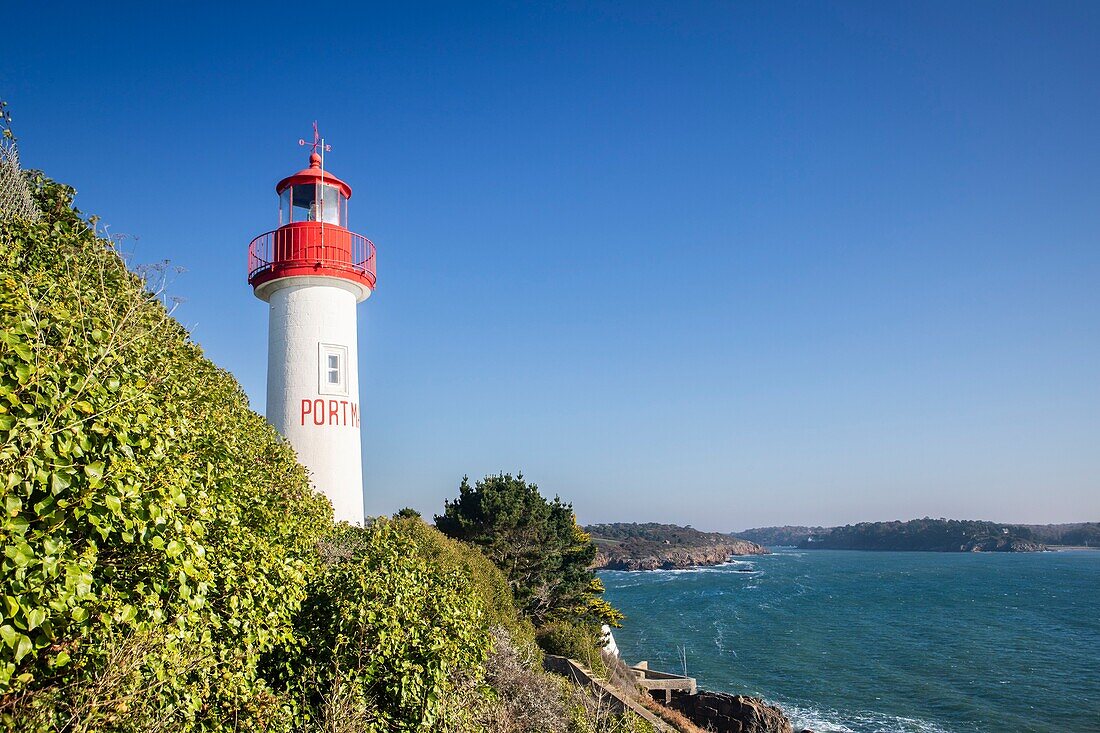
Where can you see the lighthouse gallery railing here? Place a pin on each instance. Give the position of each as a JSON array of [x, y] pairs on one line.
[[293, 247]]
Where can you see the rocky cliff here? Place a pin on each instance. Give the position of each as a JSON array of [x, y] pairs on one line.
[[724, 713]]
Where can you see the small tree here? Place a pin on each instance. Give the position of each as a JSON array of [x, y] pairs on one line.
[[538, 545]]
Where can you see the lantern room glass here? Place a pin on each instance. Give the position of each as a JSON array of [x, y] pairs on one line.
[[313, 202], [284, 206], [303, 200], [330, 205]]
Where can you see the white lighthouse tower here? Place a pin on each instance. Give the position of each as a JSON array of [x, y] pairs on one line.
[[313, 272]]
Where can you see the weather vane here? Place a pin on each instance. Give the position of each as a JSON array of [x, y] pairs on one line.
[[318, 141]]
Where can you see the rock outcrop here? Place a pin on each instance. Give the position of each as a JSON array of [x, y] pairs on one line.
[[1003, 544], [724, 713], [654, 546], [672, 558]]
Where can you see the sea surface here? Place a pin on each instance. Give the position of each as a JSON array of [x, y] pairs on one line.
[[870, 642]]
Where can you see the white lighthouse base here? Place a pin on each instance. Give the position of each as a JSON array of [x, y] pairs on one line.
[[311, 402]]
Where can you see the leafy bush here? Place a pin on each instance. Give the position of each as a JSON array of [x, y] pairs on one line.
[[486, 580], [157, 533], [381, 635], [580, 641]]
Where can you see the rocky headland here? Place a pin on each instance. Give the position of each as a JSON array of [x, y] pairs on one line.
[[622, 546]]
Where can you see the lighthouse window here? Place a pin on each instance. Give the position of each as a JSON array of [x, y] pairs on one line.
[[333, 369], [330, 205], [305, 205], [333, 377]]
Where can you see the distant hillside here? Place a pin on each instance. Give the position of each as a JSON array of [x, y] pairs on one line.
[[937, 535], [1079, 534], [788, 536], [930, 535], [663, 546]]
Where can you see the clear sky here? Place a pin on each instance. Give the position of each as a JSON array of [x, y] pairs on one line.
[[726, 264]]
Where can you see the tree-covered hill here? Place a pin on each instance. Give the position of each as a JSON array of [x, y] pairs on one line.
[[786, 536], [1082, 534], [625, 546], [939, 535], [934, 535]]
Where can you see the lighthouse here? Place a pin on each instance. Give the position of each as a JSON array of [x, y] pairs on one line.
[[313, 271]]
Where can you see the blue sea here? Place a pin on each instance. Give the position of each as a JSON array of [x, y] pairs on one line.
[[882, 642]]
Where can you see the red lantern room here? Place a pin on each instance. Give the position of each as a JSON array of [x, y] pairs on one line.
[[312, 239]]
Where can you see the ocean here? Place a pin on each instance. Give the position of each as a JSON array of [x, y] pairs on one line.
[[882, 642]]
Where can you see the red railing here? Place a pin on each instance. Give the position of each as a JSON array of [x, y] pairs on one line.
[[296, 248]]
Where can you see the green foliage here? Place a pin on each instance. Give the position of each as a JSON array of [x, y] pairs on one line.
[[383, 632], [651, 535], [536, 543], [157, 533], [486, 581], [577, 640]]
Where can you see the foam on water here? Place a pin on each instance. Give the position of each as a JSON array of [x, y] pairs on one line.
[[831, 721]]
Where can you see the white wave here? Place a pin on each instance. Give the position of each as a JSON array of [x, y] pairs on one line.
[[621, 578], [834, 721], [666, 572]]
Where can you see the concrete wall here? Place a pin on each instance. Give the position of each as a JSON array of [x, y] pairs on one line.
[[620, 703]]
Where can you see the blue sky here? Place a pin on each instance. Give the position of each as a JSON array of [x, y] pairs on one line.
[[725, 264]]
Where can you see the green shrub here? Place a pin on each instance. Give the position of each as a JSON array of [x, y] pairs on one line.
[[487, 582], [157, 533], [577, 640], [382, 635]]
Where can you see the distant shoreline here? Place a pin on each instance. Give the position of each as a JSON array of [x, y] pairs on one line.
[[933, 535], [1046, 548]]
